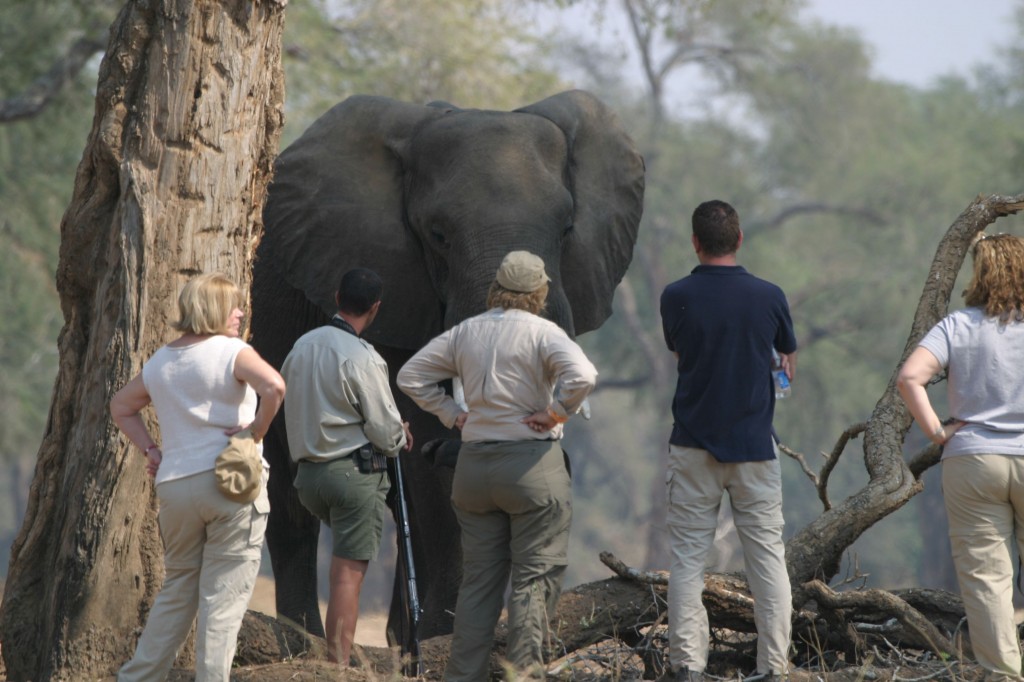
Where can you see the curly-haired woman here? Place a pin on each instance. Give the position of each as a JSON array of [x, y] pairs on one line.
[[982, 349]]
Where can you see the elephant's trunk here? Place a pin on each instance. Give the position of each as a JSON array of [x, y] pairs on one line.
[[467, 288]]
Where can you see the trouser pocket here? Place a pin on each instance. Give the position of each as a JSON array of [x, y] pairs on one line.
[[260, 514]]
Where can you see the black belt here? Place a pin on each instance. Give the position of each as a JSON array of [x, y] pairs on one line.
[[310, 460], [500, 442]]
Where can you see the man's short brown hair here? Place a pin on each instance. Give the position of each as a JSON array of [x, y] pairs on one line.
[[717, 228]]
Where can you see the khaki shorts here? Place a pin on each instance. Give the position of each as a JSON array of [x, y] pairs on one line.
[[350, 502]]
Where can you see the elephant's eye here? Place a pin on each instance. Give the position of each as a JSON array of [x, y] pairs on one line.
[[439, 237], [567, 229]]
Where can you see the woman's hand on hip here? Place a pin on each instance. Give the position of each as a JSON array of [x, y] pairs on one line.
[[946, 431], [540, 421], [153, 459]]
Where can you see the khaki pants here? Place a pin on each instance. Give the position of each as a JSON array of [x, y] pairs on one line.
[[984, 497], [696, 482], [212, 551], [513, 501]]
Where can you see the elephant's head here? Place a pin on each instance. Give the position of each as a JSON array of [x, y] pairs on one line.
[[432, 197]]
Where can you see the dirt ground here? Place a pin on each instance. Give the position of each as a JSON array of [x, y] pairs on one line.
[[605, 662], [263, 645]]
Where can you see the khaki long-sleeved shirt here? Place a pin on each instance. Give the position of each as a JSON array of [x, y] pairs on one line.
[[338, 397], [511, 364]]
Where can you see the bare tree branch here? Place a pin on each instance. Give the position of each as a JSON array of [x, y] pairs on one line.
[[885, 602], [780, 218], [697, 52], [644, 23], [833, 459], [642, 36], [793, 454], [634, 574], [925, 459], [45, 88], [627, 298]]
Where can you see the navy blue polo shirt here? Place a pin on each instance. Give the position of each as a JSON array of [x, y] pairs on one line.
[[723, 322]]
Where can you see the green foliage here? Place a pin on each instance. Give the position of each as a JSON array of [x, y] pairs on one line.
[[38, 157], [34, 33], [472, 53]]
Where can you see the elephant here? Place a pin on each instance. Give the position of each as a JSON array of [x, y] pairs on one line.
[[431, 197]]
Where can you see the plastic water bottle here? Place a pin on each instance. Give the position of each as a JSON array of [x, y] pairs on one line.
[[782, 387]]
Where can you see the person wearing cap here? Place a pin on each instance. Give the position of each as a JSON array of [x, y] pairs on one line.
[[339, 402], [522, 377], [203, 387], [723, 323]]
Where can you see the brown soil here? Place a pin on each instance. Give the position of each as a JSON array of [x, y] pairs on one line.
[[269, 653]]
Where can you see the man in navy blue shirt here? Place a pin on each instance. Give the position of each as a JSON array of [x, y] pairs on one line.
[[723, 323]]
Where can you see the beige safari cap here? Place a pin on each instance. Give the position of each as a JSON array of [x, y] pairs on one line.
[[239, 469], [522, 271]]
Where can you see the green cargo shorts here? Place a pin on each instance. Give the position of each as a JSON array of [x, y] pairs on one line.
[[350, 502]]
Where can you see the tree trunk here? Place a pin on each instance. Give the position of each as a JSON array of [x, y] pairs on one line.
[[815, 551], [172, 183]]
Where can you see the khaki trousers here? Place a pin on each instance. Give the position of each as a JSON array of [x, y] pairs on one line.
[[212, 551], [696, 482], [984, 497], [513, 501]]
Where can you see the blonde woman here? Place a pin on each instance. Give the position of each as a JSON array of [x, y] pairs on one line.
[[203, 387], [982, 349]]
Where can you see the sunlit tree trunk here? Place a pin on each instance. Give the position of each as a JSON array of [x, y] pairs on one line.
[[171, 183]]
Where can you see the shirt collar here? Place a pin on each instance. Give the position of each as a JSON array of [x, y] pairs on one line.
[[719, 270]]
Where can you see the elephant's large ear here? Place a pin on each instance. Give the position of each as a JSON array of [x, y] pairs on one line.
[[336, 202], [607, 176]]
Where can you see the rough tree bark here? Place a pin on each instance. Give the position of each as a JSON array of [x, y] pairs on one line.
[[172, 183], [815, 551]]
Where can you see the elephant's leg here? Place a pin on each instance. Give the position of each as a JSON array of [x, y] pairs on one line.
[[292, 537], [437, 549], [281, 314]]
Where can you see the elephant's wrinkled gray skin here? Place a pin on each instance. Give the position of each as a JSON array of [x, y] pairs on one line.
[[431, 198]]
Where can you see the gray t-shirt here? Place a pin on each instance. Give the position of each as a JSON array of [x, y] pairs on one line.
[[985, 362]]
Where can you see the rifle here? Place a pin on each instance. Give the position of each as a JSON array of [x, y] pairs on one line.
[[407, 572]]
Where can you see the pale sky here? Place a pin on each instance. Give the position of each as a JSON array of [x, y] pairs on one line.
[[916, 40], [911, 41]]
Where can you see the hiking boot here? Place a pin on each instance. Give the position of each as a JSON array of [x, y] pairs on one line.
[[683, 674]]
